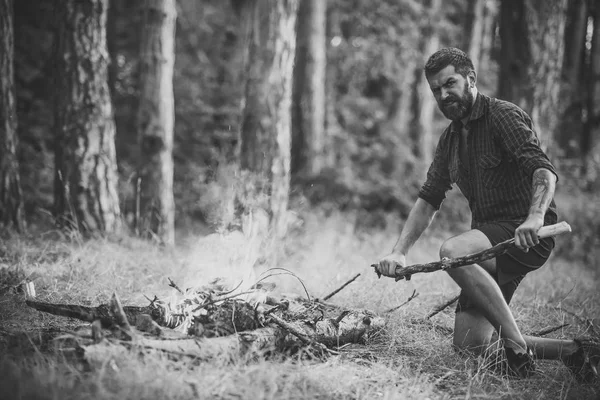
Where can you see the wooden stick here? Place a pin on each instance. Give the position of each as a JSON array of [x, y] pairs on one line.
[[546, 331], [442, 307], [116, 310], [330, 295], [497, 250], [412, 296]]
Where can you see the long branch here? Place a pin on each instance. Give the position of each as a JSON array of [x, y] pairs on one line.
[[495, 251]]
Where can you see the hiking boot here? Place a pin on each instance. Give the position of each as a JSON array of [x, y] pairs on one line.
[[520, 364], [584, 363]]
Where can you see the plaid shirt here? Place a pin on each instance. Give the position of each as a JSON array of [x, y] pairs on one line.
[[503, 152]]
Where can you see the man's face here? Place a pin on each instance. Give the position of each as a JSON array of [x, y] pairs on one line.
[[452, 93]]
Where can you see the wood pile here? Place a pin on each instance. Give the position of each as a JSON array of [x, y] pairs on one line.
[[213, 322]]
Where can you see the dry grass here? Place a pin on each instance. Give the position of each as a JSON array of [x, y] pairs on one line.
[[412, 360]]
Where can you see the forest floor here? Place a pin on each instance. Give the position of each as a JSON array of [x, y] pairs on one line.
[[414, 359]]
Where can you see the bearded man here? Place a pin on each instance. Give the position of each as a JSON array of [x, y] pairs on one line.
[[491, 151]]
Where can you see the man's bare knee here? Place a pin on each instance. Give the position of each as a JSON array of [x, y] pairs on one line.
[[468, 243], [451, 248]]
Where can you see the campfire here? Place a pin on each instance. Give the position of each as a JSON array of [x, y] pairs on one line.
[[215, 320]]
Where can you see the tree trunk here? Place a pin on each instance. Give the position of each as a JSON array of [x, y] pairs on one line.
[[309, 143], [86, 168], [11, 197], [591, 126], [114, 9], [490, 22], [474, 30], [423, 100], [265, 128], [155, 119], [332, 128], [532, 46], [573, 85]]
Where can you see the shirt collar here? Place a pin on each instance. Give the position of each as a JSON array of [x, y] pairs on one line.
[[476, 113]]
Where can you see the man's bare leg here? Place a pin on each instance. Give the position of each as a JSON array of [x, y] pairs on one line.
[[473, 333], [473, 330], [551, 349], [479, 285]]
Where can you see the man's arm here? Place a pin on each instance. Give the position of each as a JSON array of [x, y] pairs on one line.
[[543, 186], [418, 220], [430, 198]]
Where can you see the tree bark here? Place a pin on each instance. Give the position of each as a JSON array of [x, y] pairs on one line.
[[532, 46], [573, 85], [591, 125], [155, 119], [309, 142], [86, 168], [423, 101], [265, 128], [474, 30], [332, 129], [114, 9], [11, 197]]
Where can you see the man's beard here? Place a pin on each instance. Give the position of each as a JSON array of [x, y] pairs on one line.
[[455, 108]]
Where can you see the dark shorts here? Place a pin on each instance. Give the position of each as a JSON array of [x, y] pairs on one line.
[[512, 266]]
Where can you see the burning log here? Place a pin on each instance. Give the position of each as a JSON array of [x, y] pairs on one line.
[[101, 313], [226, 349]]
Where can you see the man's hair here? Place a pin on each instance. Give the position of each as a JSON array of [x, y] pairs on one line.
[[449, 56]]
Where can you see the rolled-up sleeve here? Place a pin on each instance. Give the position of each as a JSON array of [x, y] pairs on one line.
[[518, 139], [438, 182]]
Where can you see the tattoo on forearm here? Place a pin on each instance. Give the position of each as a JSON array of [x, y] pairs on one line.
[[543, 190]]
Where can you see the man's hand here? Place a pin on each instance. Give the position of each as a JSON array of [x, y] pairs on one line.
[[526, 234], [387, 265]]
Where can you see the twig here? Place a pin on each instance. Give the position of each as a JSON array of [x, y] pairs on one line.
[[116, 310], [547, 331], [174, 285], [442, 307], [208, 303], [339, 319], [412, 296], [285, 272], [288, 327], [330, 295], [585, 321]]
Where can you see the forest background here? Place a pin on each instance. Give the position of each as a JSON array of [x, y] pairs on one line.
[[136, 130]]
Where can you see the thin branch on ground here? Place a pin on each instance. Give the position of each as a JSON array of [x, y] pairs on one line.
[[442, 307], [412, 296], [547, 331], [585, 321], [330, 295]]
